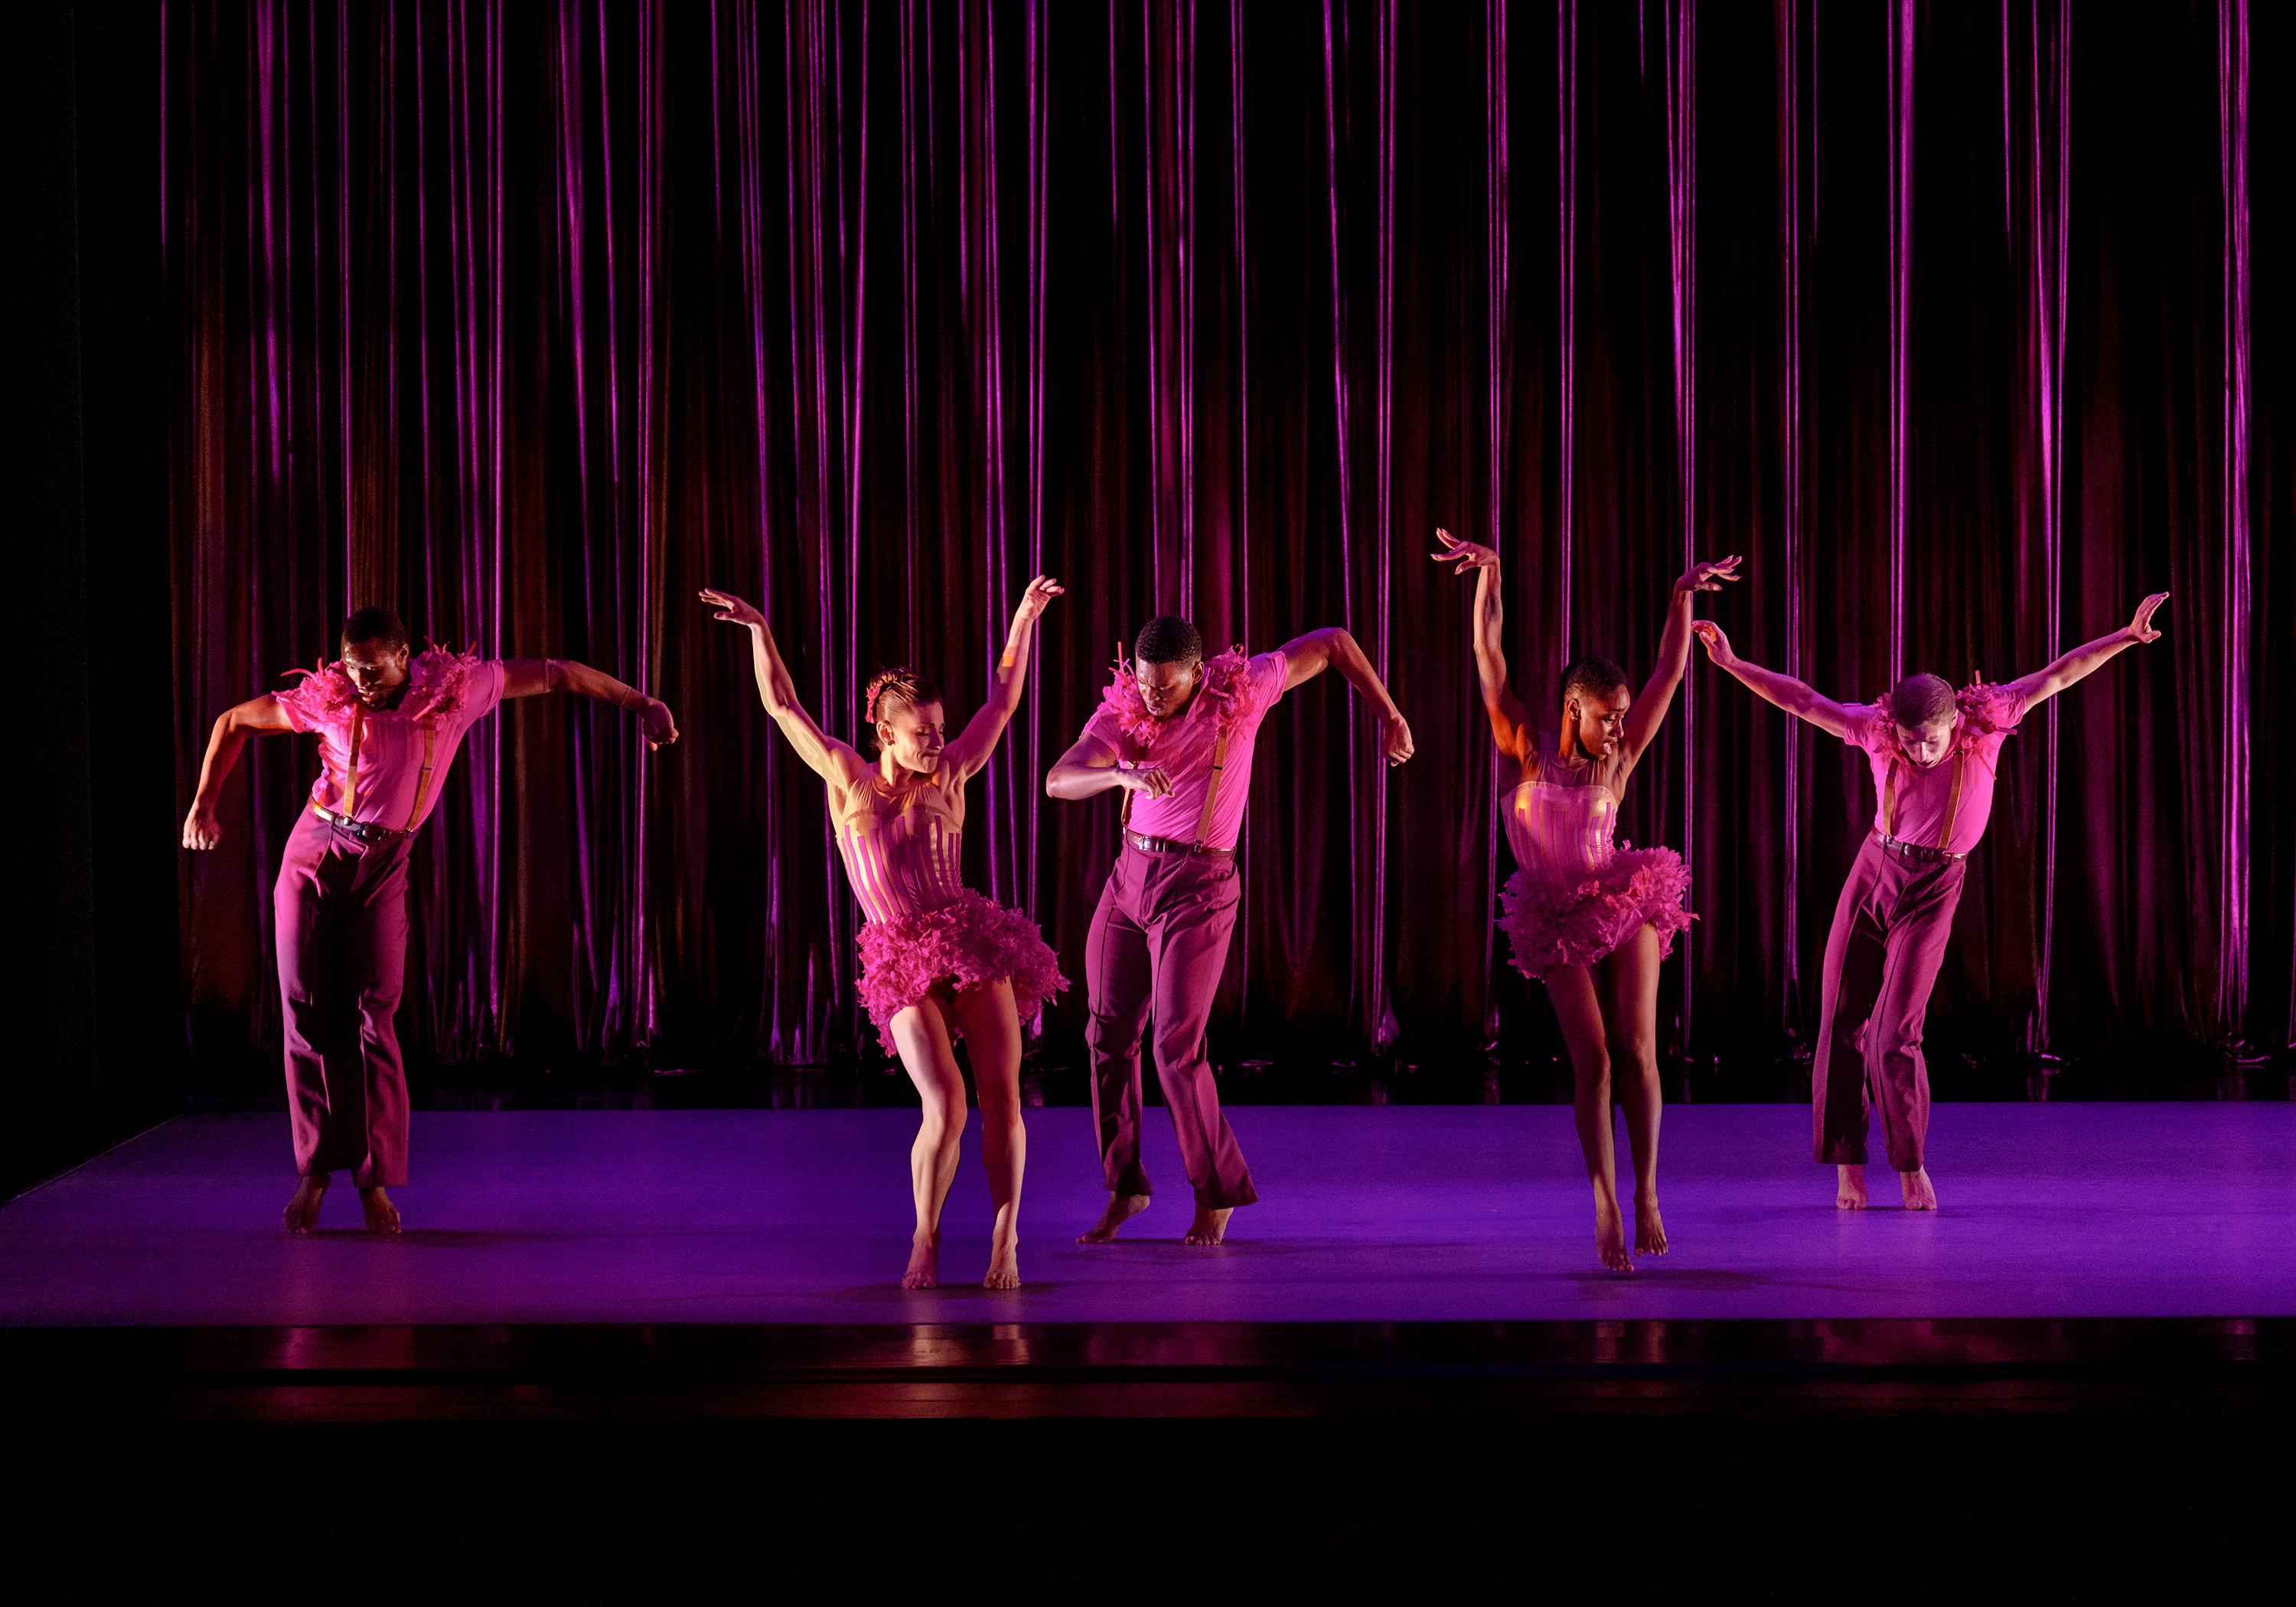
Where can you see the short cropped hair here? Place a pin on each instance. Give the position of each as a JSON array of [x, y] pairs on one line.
[[1921, 700], [1596, 676], [1168, 639], [376, 625]]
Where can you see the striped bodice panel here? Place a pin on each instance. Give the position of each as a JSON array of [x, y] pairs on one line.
[[903, 847], [1564, 825]]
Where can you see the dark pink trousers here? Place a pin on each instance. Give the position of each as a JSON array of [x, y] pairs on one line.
[[338, 913], [1157, 946], [1882, 959]]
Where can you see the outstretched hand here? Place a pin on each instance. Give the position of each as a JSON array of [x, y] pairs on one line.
[[1709, 576], [1038, 597], [2141, 628], [1718, 644], [660, 727], [732, 608], [1465, 557]]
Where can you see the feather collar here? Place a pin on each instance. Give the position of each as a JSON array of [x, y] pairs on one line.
[[1227, 683]]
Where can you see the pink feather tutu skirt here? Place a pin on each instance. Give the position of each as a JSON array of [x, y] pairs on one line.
[[1578, 919], [961, 944]]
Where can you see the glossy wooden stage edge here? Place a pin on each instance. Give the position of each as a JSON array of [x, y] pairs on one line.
[[2137, 1367]]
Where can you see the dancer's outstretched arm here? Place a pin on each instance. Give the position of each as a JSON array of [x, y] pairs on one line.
[[2089, 657], [977, 740], [1332, 648], [531, 677], [1649, 710], [835, 762], [256, 717], [1509, 720], [1835, 719]]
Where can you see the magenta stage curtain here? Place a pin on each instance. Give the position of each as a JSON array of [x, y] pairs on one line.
[[531, 319]]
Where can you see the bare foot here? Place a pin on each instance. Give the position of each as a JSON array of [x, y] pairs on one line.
[[1610, 1235], [924, 1263], [1850, 1192], [1004, 1265], [381, 1215], [1921, 1193], [1121, 1208], [1211, 1226], [302, 1213], [1650, 1230]]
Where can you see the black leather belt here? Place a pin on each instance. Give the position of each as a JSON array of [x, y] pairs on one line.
[[1914, 850], [363, 830], [1169, 845]]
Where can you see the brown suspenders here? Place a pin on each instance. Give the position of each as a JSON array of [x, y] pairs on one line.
[[350, 807], [1212, 793], [1952, 799], [422, 787], [351, 770]]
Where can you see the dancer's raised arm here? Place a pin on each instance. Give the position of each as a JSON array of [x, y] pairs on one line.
[[256, 717], [977, 740], [532, 678], [1332, 648], [833, 761], [1797, 699], [1509, 720], [1649, 710], [2089, 657]]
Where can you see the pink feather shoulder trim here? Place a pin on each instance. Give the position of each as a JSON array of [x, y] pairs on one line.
[[1228, 682], [322, 697], [438, 679], [1986, 707]]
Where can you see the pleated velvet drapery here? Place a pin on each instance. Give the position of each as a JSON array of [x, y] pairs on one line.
[[529, 320]]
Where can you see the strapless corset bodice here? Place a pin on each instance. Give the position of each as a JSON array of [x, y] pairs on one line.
[[902, 845], [1561, 831]]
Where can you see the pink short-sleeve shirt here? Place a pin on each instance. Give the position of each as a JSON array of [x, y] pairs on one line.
[[372, 761], [1925, 794], [1182, 749]]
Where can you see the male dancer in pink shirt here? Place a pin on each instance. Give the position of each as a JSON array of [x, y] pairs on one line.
[[1176, 733], [390, 715], [1933, 753]]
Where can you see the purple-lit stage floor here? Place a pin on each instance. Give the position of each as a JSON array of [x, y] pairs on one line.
[[615, 1335], [1422, 1214]]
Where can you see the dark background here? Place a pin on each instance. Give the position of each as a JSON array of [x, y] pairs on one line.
[[531, 320]]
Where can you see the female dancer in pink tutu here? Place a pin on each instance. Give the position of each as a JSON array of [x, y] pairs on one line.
[[937, 960], [1590, 917]]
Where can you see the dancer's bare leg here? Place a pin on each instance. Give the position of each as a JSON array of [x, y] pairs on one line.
[[1849, 1188], [1578, 1008], [302, 1213], [1632, 994], [1921, 1193], [921, 1036], [381, 1215], [992, 1041]]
